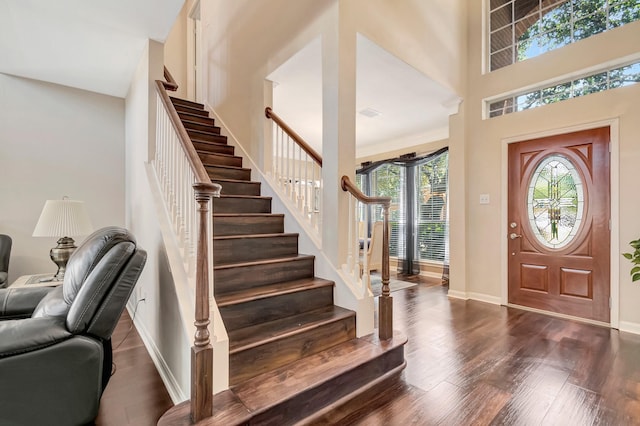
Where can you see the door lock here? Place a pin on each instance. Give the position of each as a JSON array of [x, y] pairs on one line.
[[513, 236]]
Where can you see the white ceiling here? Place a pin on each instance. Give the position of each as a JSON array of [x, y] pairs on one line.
[[413, 108], [87, 44], [96, 46]]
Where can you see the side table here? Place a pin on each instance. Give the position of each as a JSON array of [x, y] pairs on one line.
[[36, 280]]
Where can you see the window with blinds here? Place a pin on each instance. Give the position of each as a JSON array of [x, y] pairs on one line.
[[388, 180], [418, 188], [431, 197]]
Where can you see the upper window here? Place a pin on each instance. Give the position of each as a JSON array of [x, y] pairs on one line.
[[522, 29]]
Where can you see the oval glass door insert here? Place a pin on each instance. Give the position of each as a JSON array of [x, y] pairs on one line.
[[555, 202]]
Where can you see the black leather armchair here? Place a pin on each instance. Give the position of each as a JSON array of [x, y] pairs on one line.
[[55, 342], [5, 254]]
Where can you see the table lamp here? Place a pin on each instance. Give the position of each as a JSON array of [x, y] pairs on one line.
[[63, 218]]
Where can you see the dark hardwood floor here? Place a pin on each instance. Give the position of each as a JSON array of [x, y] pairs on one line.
[[135, 394], [468, 363]]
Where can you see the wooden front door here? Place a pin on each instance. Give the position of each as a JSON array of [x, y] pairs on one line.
[[558, 229]]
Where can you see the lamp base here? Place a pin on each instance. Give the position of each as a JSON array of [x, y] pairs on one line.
[[60, 255]]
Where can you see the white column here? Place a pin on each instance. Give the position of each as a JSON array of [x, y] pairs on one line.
[[457, 205], [338, 127]]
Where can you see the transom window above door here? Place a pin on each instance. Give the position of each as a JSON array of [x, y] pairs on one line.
[[522, 29]]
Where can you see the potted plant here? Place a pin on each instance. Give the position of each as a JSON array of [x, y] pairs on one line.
[[634, 257]]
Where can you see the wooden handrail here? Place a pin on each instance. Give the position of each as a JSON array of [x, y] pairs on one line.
[[205, 190], [348, 186], [385, 301], [268, 112], [170, 83], [192, 156]]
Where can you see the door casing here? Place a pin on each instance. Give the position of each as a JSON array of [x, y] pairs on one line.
[[614, 213]]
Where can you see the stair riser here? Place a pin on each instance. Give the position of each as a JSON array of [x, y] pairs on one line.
[[270, 309], [247, 225], [196, 118], [220, 160], [304, 404], [201, 127], [189, 110], [251, 362], [235, 250], [239, 188], [208, 137], [213, 147], [224, 173], [241, 205], [184, 102], [245, 277]]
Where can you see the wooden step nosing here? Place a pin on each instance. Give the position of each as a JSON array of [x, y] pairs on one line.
[[217, 154], [247, 197], [293, 332], [247, 236], [232, 299], [344, 368], [298, 258], [249, 215], [351, 395], [226, 180], [222, 166]]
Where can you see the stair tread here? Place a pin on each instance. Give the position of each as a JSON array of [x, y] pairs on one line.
[[257, 393], [260, 334], [247, 215], [246, 236], [203, 152], [179, 100], [263, 261], [234, 180], [261, 197], [226, 167], [270, 290]]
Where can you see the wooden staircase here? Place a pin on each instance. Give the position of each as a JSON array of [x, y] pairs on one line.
[[293, 354]]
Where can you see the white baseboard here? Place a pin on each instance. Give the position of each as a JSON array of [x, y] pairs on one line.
[[485, 298], [629, 327], [455, 294], [175, 392], [480, 297]]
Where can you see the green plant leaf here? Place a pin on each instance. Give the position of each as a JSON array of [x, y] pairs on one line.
[[635, 277], [627, 255], [635, 270]]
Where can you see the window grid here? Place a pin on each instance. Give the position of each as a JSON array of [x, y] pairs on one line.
[[592, 83], [508, 39]]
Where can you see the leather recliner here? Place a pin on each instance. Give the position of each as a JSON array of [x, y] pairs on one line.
[[55, 342], [5, 254]]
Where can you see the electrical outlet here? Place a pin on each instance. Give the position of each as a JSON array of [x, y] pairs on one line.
[[484, 198]]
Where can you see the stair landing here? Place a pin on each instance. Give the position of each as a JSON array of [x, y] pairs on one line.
[[301, 391]]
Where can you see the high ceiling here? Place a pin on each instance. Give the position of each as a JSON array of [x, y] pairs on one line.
[[97, 46], [397, 106], [87, 44]]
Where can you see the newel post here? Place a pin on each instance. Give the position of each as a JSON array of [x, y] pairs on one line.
[[202, 351], [385, 301]]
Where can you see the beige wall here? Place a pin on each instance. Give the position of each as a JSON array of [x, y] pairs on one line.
[[56, 141], [175, 51], [485, 152]]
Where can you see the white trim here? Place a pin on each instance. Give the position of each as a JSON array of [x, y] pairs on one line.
[[456, 294], [169, 380], [471, 295], [486, 298], [629, 327], [614, 175], [194, 41]]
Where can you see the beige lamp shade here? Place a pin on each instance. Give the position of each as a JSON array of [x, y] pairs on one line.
[[63, 218]]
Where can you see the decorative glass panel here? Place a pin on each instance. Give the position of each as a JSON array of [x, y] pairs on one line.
[[555, 202]]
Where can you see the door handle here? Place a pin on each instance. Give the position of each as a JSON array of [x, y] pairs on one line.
[[513, 236]]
